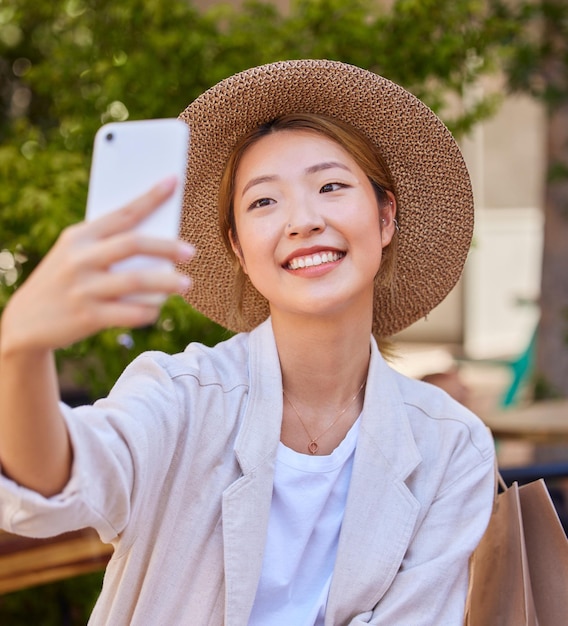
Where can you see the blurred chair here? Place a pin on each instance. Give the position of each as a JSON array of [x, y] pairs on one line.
[[520, 366]]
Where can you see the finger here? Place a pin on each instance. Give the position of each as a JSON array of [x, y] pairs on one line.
[[128, 314], [134, 212], [107, 252], [129, 285], [115, 302]]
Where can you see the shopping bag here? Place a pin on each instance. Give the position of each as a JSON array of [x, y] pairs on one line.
[[547, 554], [519, 571]]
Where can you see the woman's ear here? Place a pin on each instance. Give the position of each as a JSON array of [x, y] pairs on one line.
[[236, 246], [387, 215]]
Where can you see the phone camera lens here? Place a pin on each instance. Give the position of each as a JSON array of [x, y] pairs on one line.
[[109, 136]]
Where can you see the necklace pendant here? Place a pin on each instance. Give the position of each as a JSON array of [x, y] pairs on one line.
[[312, 447]]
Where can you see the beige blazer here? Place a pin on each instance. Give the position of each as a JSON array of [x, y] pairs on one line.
[[175, 468]]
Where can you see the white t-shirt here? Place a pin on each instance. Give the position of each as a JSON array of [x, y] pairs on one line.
[[308, 502]]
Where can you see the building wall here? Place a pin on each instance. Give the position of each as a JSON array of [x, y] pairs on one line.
[[492, 311], [502, 280]]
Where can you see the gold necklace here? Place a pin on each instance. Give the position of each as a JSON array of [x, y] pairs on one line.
[[313, 446]]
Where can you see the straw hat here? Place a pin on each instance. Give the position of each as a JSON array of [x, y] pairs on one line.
[[435, 203]]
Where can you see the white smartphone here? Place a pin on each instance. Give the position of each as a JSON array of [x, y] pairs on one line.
[[128, 159]]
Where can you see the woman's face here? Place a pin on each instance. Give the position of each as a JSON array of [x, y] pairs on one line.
[[308, 226]]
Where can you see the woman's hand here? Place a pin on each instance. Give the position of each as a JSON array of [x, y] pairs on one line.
[[73, 293]]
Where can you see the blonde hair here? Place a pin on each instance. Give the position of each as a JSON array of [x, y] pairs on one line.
[[357, 144]]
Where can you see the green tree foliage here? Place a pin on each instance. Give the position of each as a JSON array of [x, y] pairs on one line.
[[537, 57], [68, 67]]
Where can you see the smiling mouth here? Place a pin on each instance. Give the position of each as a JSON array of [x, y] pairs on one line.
[[311, 260]]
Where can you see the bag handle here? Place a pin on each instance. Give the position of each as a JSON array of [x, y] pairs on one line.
[[499, 482]]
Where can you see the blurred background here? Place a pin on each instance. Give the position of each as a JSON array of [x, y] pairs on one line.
[[496, 71]]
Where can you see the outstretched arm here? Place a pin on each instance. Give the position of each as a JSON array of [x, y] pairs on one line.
[[71, 295]]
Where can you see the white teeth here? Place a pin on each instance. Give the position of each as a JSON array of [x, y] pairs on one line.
[[314, 259]]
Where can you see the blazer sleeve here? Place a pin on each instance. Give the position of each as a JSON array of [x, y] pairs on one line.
[[114, 442]]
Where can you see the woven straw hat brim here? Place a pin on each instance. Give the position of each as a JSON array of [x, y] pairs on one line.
[[435, 202]]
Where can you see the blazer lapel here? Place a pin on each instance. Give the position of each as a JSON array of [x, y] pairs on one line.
[[246, 503], [381, 512]]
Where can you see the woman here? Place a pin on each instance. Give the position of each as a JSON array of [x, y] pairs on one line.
[[288, 475]]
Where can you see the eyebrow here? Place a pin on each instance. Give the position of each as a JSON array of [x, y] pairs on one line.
[[313, 169], [326, 165], [257, 181]]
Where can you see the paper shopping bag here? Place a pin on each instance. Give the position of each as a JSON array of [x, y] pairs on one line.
[[547, 554], [500, 592], [519, 571]]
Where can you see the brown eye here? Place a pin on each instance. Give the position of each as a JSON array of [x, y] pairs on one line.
[[328, 187], [260, 203]]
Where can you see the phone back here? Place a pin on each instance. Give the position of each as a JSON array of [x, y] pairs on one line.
[[128, 159]]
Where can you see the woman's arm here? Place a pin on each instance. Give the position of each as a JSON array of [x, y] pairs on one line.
[[71, 295], [34, 446]]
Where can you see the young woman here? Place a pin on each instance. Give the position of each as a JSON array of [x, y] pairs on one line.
[[286, 476]]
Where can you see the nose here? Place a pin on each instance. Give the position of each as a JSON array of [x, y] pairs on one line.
[[304, 221]]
